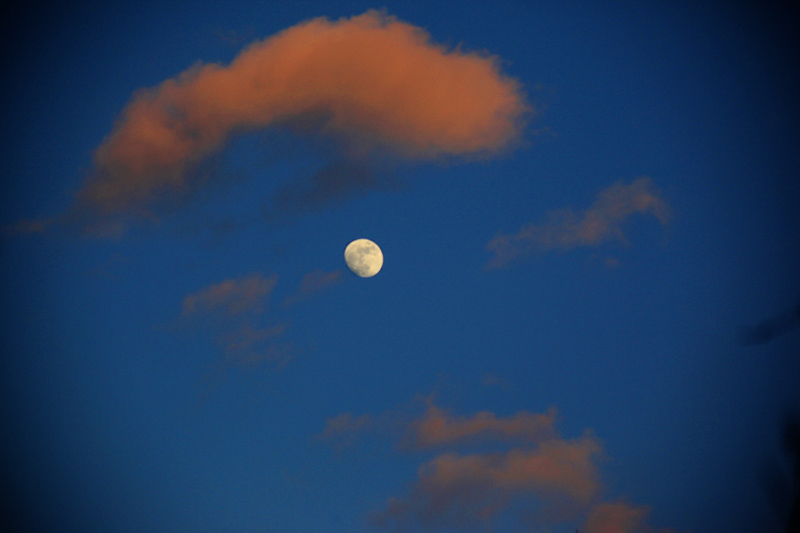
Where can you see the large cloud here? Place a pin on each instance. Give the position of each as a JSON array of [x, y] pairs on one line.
[[565, 229], [372, 82]]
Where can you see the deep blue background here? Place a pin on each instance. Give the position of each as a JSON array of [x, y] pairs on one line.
[[109, 420]]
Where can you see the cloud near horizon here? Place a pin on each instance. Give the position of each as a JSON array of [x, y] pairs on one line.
[[619, 517], [564, 229], [372, 82], [529, 475], [557, 478]]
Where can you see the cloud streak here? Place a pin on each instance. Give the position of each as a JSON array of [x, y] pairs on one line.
[[373, 83], [436, 427], [314, 283], [232, 296], [343, 429], [232, 312], [564, 229]]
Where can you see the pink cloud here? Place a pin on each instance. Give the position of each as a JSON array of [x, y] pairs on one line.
[[532, 477], [232, 313], [564, 229], [372, 82], [619, 517], [436, 427], [554, 475], [454, 490], [615, 518]]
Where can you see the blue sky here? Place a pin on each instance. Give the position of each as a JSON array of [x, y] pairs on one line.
[[586, 316]]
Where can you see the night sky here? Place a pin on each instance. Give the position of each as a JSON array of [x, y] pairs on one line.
[[587, 316]]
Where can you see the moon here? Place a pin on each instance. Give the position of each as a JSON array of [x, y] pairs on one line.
[[363, 257]]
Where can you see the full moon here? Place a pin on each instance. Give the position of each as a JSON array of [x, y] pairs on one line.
[[363, 257]]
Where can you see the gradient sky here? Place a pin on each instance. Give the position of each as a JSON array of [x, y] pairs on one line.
[[587, 314]]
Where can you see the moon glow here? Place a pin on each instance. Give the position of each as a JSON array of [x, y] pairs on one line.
[[363, 257]]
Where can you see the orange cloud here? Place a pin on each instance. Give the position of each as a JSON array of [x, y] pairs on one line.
[[619, 517], [615, 518], [371, 81], [553, 475], [532, 477], [455, 490], [232, 297], [564, 229], [438, 428], [556, 466]]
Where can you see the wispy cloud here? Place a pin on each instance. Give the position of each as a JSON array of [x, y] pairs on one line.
[[345, 424], [27, 227], [343, 429], [493, 380], [313, 283], [332, 183], [565, 229], [489, 469], [246, 337], [232, 312], [371, 82], [619, 517], [437, 427], [232, 296]]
